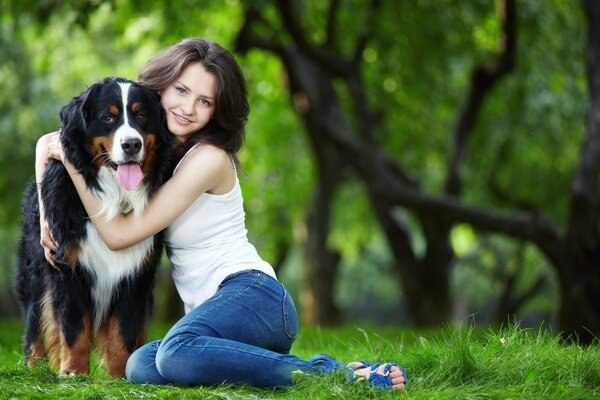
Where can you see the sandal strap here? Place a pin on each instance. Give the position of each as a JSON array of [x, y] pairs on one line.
[[324, 362], [382, 381]]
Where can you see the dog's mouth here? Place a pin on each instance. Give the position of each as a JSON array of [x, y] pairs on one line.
[[129, 174]]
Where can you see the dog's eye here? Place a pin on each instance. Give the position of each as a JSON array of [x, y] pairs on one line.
[[109, 119], [141, 118]]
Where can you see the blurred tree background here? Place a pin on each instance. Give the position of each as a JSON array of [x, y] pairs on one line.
[[406, 162]]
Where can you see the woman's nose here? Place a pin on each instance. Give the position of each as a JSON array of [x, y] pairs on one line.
[[188, 107]]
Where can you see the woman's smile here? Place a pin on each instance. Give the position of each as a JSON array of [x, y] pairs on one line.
[[180, 119]]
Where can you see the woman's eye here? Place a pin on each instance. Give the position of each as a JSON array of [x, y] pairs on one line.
[[205, 102], [141, 118], [180, 90], [109, 119]]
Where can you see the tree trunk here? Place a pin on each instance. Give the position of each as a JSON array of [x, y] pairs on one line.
[[314, 98], [321, 264], [424, 282], [579, 279]]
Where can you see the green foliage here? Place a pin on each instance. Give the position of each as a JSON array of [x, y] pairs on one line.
[[532, 127], [417, 67], [456, 363]]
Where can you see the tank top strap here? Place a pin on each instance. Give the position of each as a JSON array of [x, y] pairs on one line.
[[184, 157], [193, 147]]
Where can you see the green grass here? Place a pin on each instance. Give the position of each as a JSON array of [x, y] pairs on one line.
[[453, 363]]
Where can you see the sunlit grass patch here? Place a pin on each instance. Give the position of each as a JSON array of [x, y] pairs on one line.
[[459, 361]]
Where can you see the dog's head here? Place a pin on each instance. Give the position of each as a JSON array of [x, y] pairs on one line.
[[119, 126]]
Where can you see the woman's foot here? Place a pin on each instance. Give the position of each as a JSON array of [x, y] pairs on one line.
[[362, 370]]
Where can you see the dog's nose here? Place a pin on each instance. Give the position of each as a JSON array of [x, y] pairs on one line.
[[131, 146]]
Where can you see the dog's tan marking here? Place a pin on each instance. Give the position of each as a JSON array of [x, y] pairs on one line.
[[61, 357], [136, 106], [50, 332], [36, 352], [114, 110], [110, 343], [77, 357], [150, 145], [72, 254], [99, 145]]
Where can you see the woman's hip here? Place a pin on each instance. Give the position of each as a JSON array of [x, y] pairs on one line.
[[250, 307]]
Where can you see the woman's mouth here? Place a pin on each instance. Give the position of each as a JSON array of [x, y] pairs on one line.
[[181, 120]]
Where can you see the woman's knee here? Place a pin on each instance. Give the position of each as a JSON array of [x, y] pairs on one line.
[[132, 368], [141, 365], [174, 359]]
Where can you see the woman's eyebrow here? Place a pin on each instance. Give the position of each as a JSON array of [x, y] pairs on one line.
[[184, 86]]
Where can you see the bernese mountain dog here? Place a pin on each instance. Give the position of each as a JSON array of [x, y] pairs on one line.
[[115, 134]]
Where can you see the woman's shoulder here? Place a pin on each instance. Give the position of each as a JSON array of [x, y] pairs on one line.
[[206, 152], [205, 156]]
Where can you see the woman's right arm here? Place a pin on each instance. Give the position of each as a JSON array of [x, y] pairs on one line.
[[41, 161]]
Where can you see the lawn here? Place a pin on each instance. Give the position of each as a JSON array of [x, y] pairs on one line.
[[459, 362]]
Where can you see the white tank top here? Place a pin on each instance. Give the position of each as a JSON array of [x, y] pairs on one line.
[[208, 242]]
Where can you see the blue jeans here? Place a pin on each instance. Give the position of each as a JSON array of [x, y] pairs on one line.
[[241, 335]]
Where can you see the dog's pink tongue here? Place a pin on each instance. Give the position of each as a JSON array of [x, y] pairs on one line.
[[129, 175]]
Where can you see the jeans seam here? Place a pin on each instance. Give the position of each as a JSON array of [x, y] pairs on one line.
[[286, 320], [236, 274]]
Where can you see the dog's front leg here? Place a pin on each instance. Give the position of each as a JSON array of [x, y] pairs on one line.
[[76, 347], [111, 344]]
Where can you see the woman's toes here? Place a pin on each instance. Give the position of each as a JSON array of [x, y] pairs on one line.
[[397, 377]]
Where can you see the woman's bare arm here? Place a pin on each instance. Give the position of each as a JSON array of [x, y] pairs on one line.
[[203, 169], [41, 161]]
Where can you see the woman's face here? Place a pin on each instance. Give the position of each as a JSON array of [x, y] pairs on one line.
[[189, 102]]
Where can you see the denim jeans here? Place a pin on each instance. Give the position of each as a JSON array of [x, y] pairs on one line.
[[241, 335]]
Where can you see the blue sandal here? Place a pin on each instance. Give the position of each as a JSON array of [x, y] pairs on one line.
[[326, 363], [382, 381]]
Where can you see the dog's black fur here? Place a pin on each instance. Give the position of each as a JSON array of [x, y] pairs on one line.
[[60, 307]]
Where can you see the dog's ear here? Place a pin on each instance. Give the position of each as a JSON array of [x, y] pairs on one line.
[[75, 115], [87, 97], [74, 119]]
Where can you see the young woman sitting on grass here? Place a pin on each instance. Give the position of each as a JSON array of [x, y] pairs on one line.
[[239, 322]]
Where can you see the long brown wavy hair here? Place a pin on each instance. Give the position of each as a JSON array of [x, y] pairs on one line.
[[226, 129]]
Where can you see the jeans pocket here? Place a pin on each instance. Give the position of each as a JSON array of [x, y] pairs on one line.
[[290, 316]]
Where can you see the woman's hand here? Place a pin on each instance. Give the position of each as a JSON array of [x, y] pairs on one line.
[[48, 243], [48, 146], [55, 149]]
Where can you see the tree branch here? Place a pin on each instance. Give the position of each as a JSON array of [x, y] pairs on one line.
[[331, 31], [484, 77], [247, 39], [365, 35], [376, 170], [332, 62]]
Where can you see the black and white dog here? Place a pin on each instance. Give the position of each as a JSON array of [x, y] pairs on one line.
[[115, 134]]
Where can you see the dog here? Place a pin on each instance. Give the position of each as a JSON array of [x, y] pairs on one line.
[[115, 134]]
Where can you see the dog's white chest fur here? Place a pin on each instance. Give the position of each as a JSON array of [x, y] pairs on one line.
[[110, 267]]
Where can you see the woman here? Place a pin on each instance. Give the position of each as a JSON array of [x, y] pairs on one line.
[[240, 322]]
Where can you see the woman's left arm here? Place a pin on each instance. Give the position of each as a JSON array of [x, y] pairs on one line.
[[204, 167]]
